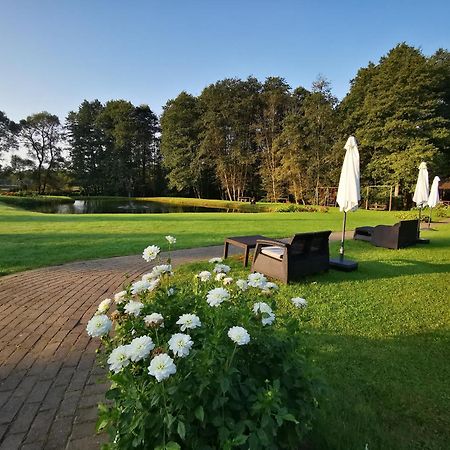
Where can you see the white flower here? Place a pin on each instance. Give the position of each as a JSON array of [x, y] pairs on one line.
[[119, 358], [158, 271], [104, 306], [152, 285], [239, 335], [242, 285], [227, 280], [134, 308], [99, 325], [220, 276], [257, 280], [120, 297], [180, 344], [154, 319], [261, 307], [140, 348], [216, 296], [215, 260], [299, 302], [171, 239], [151, 252], [271, 286], [204, 275], [269, 319], [139, 286], [171, 291], [162, 366], [188, 321], [222, 268]]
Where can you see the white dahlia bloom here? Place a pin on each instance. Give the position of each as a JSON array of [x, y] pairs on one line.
[[139, 286], [227, 280], [151, 252], [299, 302], [162, 366], [180, 344], [239, 335], [140, 348], [171, 240], [215, 260], [268, 319], [160, 270], [261, 307], [271, 286], [242, 285], [154, 319], [152, 285], [99, 325], [216, 296], [104, 306], [188, 322], [257, 280], [133, 308], [119, 358], [171, 291], [222, 268], [120, 297], [220, 276], [204, 275]]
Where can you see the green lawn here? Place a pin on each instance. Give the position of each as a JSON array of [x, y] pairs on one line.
[[381, 339], [29, 240]]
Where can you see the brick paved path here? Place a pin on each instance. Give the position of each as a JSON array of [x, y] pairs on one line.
[[49, 384]]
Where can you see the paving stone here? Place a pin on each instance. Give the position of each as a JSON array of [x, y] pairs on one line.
[[12, 441]]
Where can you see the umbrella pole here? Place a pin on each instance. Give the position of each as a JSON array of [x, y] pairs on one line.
[[429, 219], [341, 250], [420, 220]]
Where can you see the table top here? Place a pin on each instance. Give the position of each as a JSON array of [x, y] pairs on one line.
[[249, 241]]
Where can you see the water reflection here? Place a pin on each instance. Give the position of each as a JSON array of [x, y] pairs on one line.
[[117, 206]]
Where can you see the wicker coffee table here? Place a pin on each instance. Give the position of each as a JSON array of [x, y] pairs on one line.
[[245, 242]]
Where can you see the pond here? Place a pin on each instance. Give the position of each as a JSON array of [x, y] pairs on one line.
[[117, 206]]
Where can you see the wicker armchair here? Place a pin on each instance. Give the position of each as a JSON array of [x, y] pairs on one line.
[[304, 254], [402, 234]]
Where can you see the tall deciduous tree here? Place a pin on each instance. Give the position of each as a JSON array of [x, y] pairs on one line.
[[42, 134], [228, 138], [180, 145], [396, 109], [8, 133], [275, 100]]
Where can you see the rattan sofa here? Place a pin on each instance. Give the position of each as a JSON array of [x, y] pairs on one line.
[[304, 254]]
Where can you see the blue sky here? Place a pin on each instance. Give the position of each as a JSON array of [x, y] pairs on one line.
[[54, 54]]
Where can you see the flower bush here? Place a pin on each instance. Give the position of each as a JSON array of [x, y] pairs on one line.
[[199, 363]]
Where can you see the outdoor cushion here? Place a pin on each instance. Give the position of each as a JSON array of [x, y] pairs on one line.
[[273, 252]]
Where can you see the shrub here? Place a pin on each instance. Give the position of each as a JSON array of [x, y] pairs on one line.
[[204, 362]]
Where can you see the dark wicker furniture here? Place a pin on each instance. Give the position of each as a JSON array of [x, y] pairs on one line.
[[245, 242], [402, 234], [304, 254]]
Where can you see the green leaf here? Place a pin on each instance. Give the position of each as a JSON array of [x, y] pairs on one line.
[[290, 418], [181, 430], [239, 440], [112, 394], [200, 413], [172, 446]]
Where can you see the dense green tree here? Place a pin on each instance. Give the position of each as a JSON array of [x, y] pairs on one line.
[[186, 165], [86, 147], [228, 137], [275, 100], [42, 135], [8, 133], [396, 109]]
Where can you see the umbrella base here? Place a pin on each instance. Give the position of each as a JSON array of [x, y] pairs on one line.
[[345, 265], [423, 241]]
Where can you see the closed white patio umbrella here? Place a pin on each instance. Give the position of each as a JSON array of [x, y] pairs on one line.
[[421, 194], [433, 199], [348, 197]]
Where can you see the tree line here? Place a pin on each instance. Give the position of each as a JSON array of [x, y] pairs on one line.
[[253, 138]]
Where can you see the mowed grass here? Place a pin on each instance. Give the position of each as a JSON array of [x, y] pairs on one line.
[[29, 240], [380, 338]]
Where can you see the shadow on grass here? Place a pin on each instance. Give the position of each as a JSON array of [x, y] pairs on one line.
[[388, 393]]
